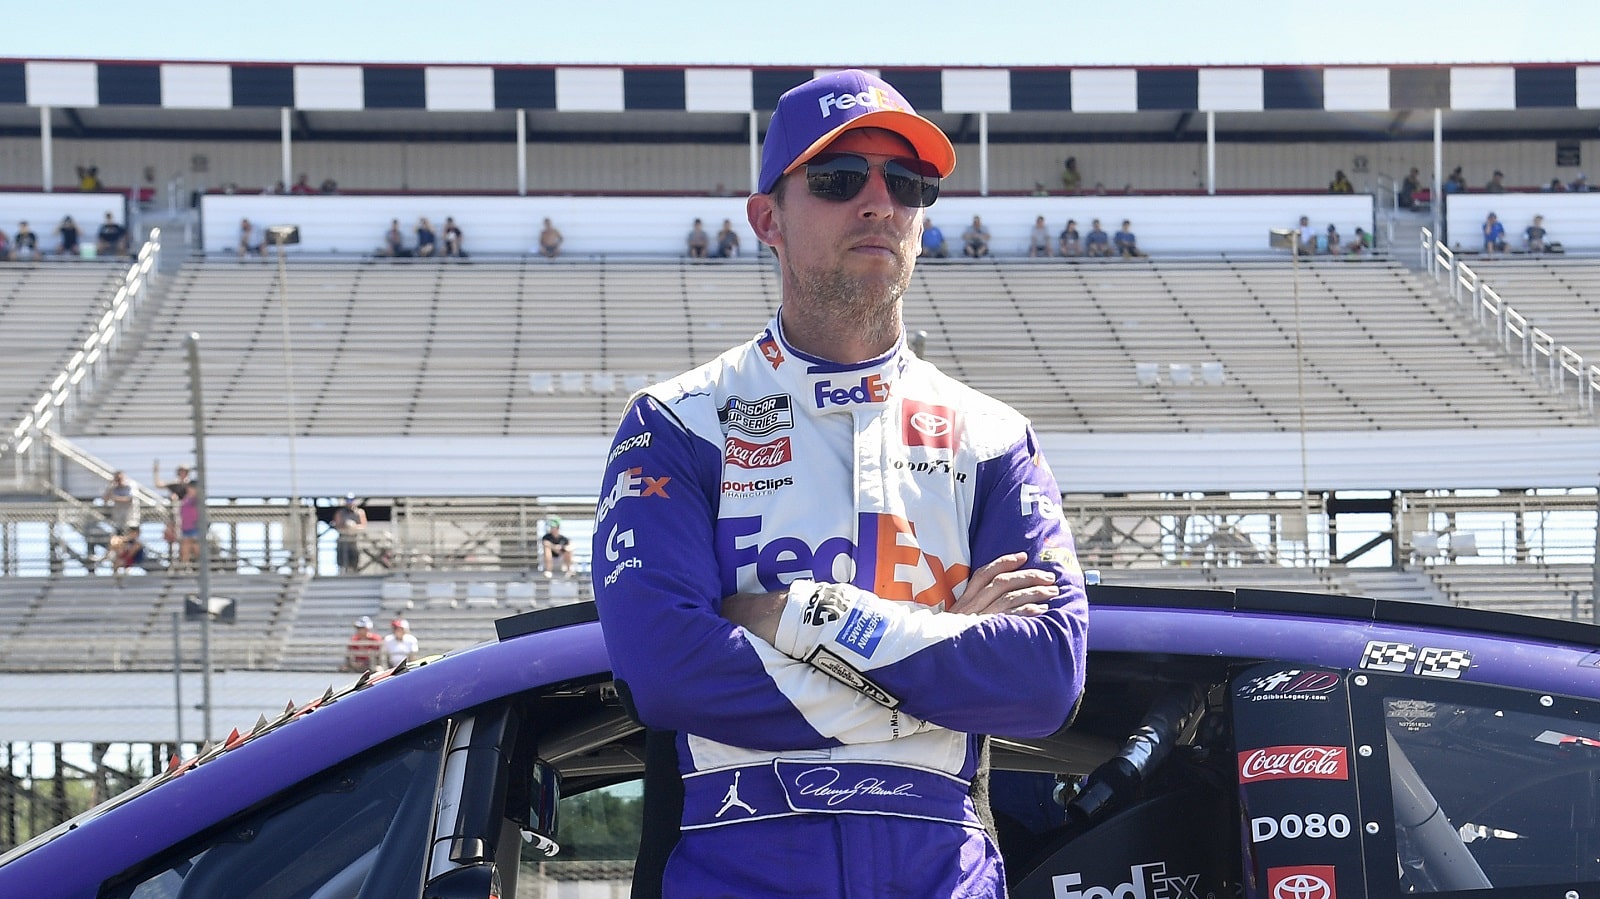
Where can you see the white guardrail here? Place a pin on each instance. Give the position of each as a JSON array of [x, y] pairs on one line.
[[90, 358], [1562, 367]]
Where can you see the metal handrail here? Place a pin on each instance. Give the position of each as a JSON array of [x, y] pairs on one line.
[[89, 359], [1507, 326]]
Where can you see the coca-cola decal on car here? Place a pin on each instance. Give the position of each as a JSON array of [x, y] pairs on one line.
[[745, 454], [1294, 763]]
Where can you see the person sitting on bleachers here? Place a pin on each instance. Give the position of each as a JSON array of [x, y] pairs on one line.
[[1359, 244], [933, 240], [1534, 235], [1126, 243], [1069, 243], [365, 648], [250, 240], [394, 241], [126, 551], [112, 238], [1039, 239], [68, 232], [1494, 236], [5, 247], [452, 239], [549, 241], [975, 240], [727, 241], [1097, 242], [427, 240], [25, 245], [557, 550], [699, 241]]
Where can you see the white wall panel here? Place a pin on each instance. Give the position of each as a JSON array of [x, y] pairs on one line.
[[589, 90], [658, 225], [329, 87], [1483, 87], [718, 90], [1105, 90], [194, 86], [976, 90], [1571, 219], [62, 83], [1355, 88], [1588, 87], [1232, 90], [459, 88]]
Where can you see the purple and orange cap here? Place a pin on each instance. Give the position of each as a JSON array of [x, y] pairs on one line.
[[812, 114]]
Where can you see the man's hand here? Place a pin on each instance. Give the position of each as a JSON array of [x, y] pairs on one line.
[[1004, 586]]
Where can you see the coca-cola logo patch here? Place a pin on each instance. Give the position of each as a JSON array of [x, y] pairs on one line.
[[745, 454], [1294, 763]]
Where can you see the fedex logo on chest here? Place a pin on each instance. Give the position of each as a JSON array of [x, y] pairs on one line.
[[886, 558]]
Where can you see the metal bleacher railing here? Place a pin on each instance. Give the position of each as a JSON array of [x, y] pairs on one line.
[[1536, 349], [20, 445]]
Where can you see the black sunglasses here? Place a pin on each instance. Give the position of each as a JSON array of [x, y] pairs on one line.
[[840, 176]]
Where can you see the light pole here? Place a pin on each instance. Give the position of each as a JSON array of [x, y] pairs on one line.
[[282, 235], [1290, 237], [202, 525]]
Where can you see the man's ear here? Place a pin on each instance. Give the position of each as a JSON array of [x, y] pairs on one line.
[[762, 211]]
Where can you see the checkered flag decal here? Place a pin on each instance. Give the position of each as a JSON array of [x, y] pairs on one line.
[[1381, 655], [1443, 662]]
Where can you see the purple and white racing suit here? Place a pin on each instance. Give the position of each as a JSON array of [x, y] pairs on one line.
[[838, 761]]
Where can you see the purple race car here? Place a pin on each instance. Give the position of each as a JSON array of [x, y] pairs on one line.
[[1251, 743]]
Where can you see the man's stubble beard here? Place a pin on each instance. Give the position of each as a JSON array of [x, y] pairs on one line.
[[863, 306]]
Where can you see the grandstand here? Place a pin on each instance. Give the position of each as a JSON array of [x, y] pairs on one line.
[[470, 400]]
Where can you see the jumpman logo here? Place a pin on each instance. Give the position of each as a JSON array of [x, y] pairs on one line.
[[732, 799]]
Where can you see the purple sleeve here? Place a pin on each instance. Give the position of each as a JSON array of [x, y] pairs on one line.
[[1009, 675], [658, 593]]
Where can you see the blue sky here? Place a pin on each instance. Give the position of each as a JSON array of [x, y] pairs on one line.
[[932, 32]]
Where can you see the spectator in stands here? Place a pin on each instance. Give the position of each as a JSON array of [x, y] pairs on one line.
[[88, 178], [1308, 236], [1409, 188], [1497, 183], [549, 241], [250, 239], [1340, 184], [302, 186], [1097, 243], [1579, 183], [400, 645], [1534, 235], [698, 242], [112, 238], [933, 240], [557, 550], [1555, 186], [329, 187], [277, 189], [121, 505], [1071, 178], [1039, 239], [365, 649], [1359, 244], [189, 525], [1068, 243], [727, 241], [427, 240], [394, 241], [126, 551], [1329, 242], [975, 240], [452, 239], [350, 521], [1038, 189], [1126, 243], [177, 490], [67, 233], [5, 247], [25, 245], [1456, 183], [1494, 236]]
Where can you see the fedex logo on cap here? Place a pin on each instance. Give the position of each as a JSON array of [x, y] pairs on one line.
[[875, 97]]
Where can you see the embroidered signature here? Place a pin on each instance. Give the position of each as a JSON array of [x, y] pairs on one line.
[[821, 782]]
